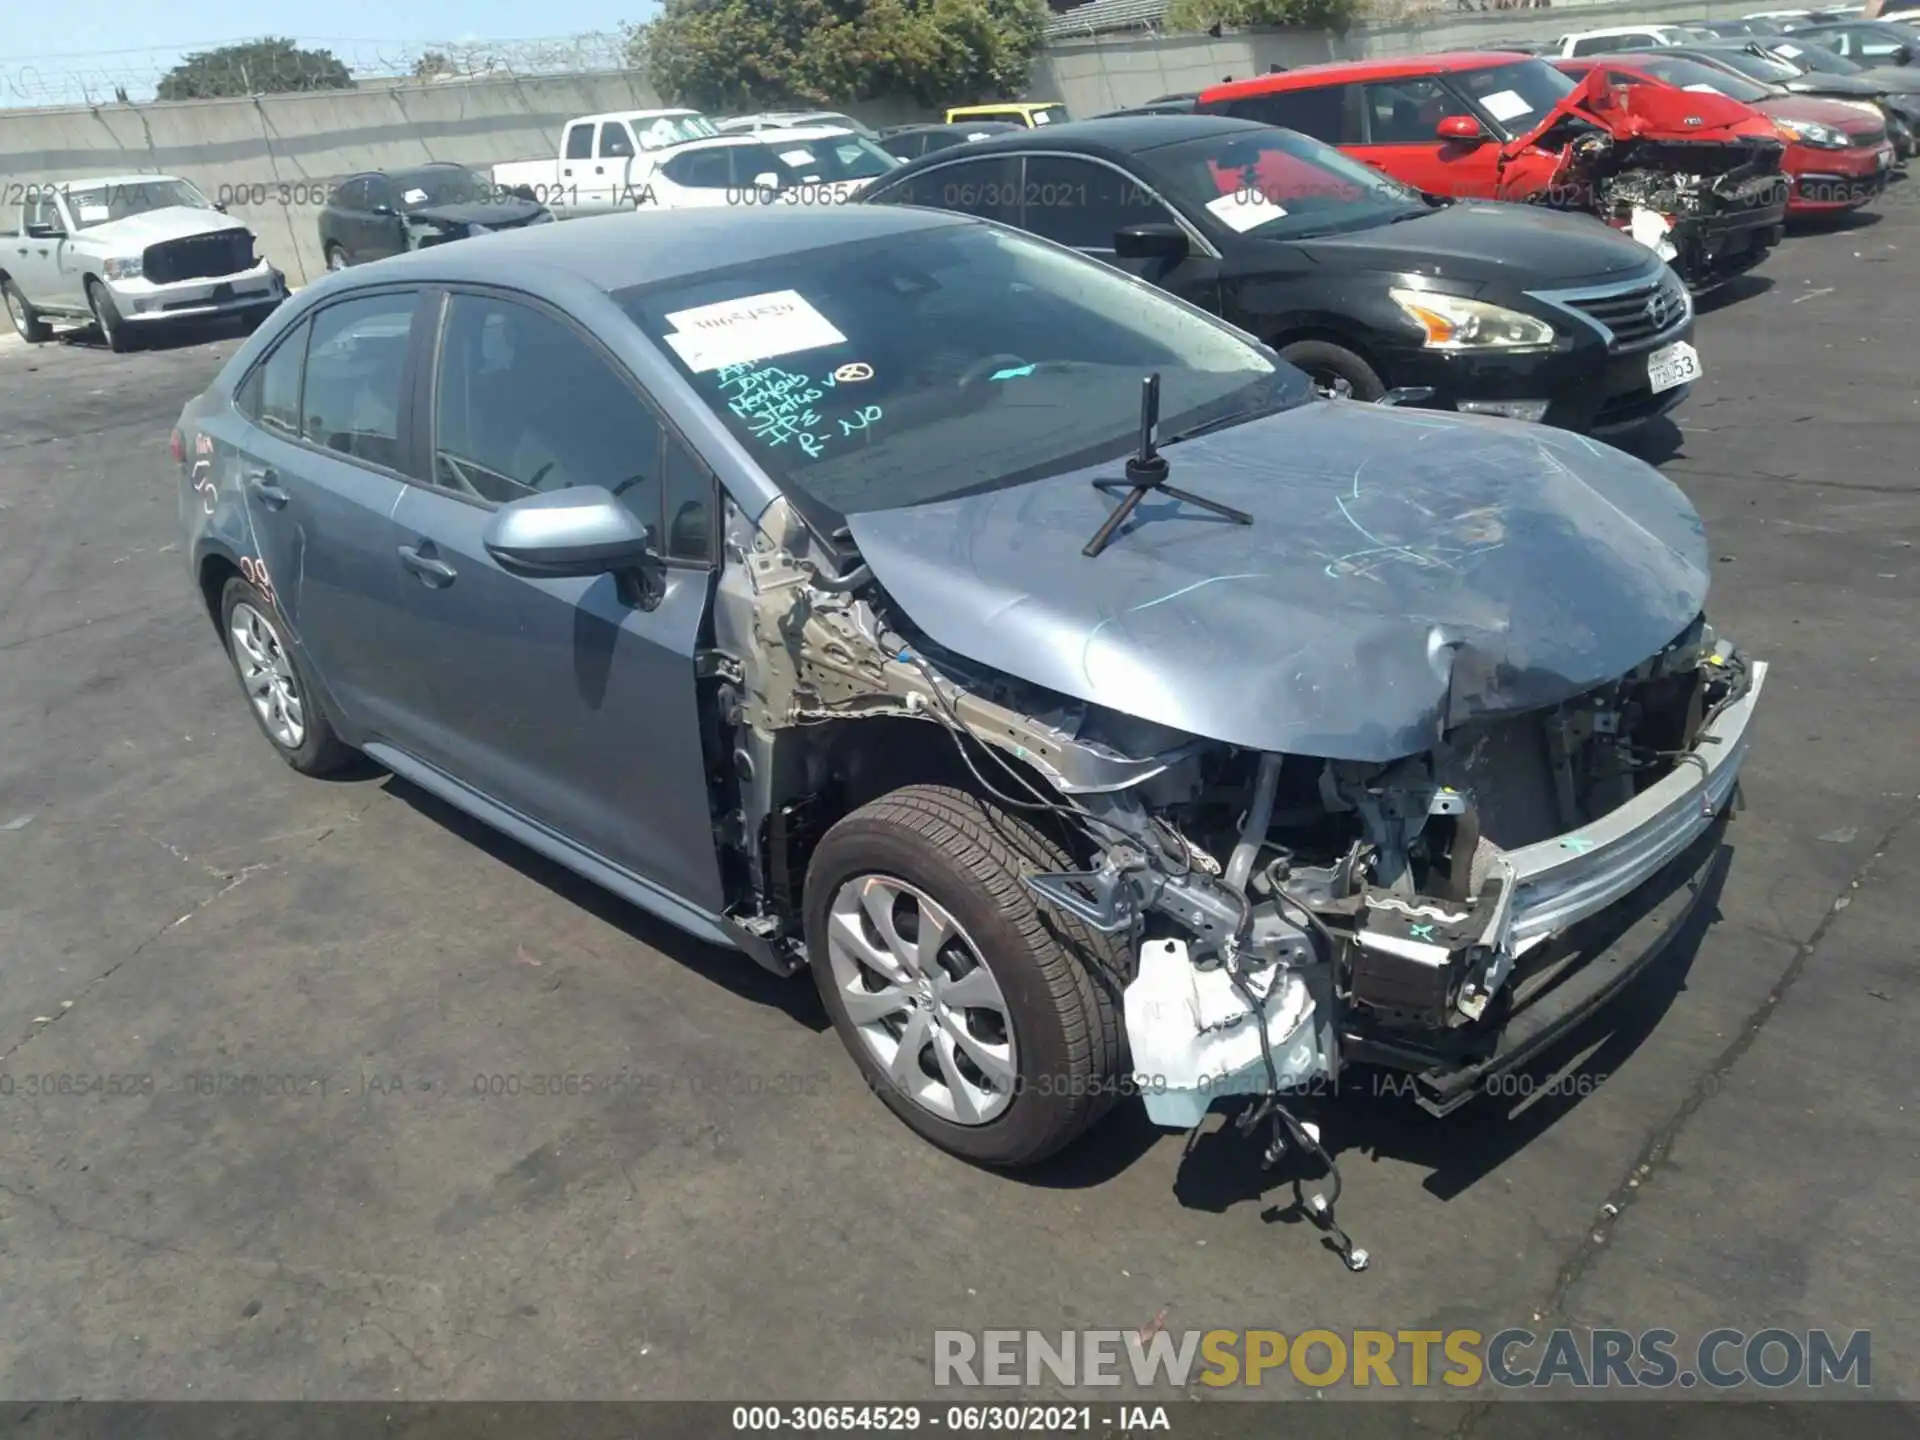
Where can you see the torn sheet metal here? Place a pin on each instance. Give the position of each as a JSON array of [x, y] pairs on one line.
[[1393, 585]]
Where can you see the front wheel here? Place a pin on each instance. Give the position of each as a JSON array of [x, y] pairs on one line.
[[336, 258], [106, 318], [987, 1022], [1335, 370]]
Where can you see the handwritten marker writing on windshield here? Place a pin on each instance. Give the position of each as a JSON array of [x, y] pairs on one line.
[[1013, 374]]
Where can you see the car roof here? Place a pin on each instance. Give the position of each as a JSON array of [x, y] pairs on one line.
[[1110, 136], [1306, 77], [768, 135], [640, 247], [125, 181]]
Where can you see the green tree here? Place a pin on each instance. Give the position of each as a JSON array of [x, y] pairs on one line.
[[253, 67], [744, 54], [1334, 15]]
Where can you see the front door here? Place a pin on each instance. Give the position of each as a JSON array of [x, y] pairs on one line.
[[35, 266], [1083, 203], [317, 443], [559, 699], [1402, 120], [379, 230]]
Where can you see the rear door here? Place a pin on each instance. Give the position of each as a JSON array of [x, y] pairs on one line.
[[322, 461], [1401, 119], [565, 701]]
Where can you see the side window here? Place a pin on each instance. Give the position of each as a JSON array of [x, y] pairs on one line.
[[700, 170], [579, 143], [1329, 113], [271, 395], [44, 214], [615, 142], [356, 362], [522, 405], [379, 192], [1407, 112], [1079, 203], [988, 188], [750, 162], [690, 509]]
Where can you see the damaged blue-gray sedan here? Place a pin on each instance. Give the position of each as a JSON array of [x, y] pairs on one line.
[[762, 566]]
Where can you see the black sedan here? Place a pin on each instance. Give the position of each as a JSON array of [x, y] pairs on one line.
[[910, 142], [1865, 42], [1895, 94], [388, 212], [1360, 281]]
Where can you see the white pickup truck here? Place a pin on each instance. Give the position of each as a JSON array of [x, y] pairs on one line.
[[603, 161]]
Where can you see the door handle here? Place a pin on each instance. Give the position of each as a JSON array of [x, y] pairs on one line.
[[432, 572], [599, 169], [264, 485]]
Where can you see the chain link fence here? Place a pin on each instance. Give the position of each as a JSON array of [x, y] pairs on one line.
[[279, 66]]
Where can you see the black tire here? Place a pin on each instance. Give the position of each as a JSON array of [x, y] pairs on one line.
[[27, 323], [335, 256], [106, 317], [320, 751], [1328, 363], [1061, 982]]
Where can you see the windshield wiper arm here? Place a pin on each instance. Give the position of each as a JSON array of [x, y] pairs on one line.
[[1221, 422], [1147, 471]]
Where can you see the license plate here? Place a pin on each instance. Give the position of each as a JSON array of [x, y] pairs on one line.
[[1883, 159], [1672, 365]]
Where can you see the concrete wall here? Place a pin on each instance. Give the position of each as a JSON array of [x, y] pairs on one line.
[[256, 152], [1106, 73]]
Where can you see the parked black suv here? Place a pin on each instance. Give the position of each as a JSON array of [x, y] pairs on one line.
[[387, 212], [1352, 276]]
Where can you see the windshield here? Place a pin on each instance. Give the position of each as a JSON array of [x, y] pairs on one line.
[[1692, 75], [1517, 96], [672, 130], [1756, 67], [1278, 184], [1050, 115], [419, 189], [103, 204], [816, 162], [933, 363], [1814, 57]]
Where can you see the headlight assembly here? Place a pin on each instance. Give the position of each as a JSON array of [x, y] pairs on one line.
[[128, 269], [1812, 132], [1453, 323]]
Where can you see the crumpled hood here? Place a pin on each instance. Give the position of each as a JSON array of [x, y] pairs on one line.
[[479, 212], [150, 227], [1405, 571], [1634, 112]]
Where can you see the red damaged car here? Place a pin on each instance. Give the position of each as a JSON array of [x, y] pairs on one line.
[[1698, 178], [1838, 156]]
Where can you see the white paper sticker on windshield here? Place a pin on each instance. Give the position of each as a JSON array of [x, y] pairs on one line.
[[1041, 117], [1786, 49], [414, 197], [1505, 105], [95, 214], [1704, 89], [754, 327], [1244, 209], [796, 157]]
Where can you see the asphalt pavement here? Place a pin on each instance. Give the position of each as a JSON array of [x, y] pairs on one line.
[[291, 1012]]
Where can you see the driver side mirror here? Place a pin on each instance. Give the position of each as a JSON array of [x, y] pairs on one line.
[[1460, 127], [1902, 55], [1157, 240], [578, 533], [382, 210], [42, 232], [766, 180]]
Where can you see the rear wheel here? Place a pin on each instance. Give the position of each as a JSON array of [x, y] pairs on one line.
[[990, 1024], [106, 317], [275, 683], [27, 323], [1335, 370]]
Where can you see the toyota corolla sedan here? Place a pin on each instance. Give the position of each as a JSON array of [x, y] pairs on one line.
[[1091, 705]]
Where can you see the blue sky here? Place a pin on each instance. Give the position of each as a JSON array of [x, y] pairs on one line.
[[47, 48]]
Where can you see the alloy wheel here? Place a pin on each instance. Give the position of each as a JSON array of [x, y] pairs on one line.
[[267, 675], [16, 312], [922, 998]]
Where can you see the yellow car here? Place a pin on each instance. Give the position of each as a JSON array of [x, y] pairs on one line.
[[1019, 112]]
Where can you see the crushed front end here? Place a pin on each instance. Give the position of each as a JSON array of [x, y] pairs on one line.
[[1447, 915]]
